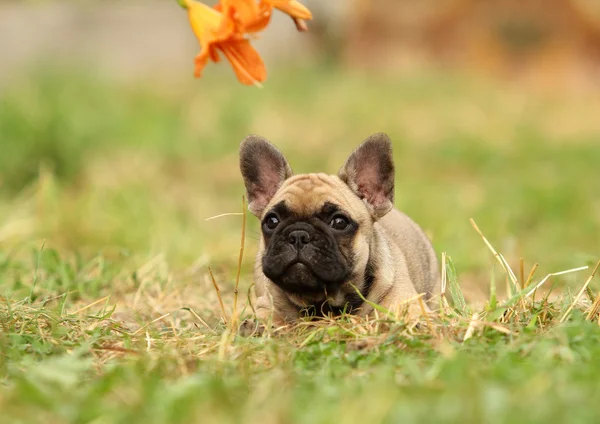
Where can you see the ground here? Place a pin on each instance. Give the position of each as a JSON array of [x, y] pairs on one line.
[[108, 312]]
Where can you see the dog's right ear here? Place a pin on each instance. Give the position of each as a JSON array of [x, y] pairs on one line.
[[369, 172], [264, 169]]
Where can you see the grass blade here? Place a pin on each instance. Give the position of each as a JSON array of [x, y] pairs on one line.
[[576, 299], [455, 291]]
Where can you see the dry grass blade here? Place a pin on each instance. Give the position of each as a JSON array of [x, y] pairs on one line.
[[531, 274], [239, 268], [471, 328], [554, 274], [199, 318], [218, 290], [570, 308], [530, 277], [444, 275], [445, 306], [500, 328], [117, 349], [499, 257], [594, 308], [513, 278], [150, 323], [522, 272], [90, 305], [249, 298], [224, 214], [426, 316]]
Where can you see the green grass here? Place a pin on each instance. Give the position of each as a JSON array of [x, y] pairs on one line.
[[107, 312]]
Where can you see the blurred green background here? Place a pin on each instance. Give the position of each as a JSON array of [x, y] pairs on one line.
[[108, 145], [112, 157]]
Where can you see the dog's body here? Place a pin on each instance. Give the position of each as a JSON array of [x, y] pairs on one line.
[[329, 242]]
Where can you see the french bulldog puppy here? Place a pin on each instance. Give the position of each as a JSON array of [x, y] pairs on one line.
[[330, 241]]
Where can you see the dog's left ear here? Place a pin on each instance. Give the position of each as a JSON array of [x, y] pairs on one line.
[[369, 172]]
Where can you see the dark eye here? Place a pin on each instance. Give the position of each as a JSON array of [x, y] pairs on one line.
[[271, 222], [339, 223]]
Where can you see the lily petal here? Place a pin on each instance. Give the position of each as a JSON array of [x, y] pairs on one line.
[[248, 15], [292, 7], [245, 60], [205, 22]]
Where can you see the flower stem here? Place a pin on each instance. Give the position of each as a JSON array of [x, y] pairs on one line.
[[182, 3]]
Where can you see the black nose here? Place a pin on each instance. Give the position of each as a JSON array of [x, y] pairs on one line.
[[298, 237]]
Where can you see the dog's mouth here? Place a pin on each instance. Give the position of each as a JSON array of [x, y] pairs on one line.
[[300, 274], [298, 263], [298, 268], [300, 277]]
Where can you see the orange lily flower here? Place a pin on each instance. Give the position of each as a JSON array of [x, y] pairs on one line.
[[225, 26], [215, 32]]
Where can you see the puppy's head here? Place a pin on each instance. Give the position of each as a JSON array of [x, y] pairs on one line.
[[317, 228]]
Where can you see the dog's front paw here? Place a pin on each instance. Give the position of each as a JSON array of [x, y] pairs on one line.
[[251, 327]]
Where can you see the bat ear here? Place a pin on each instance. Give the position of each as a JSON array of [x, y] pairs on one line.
[[369, 172], [264, 169]]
